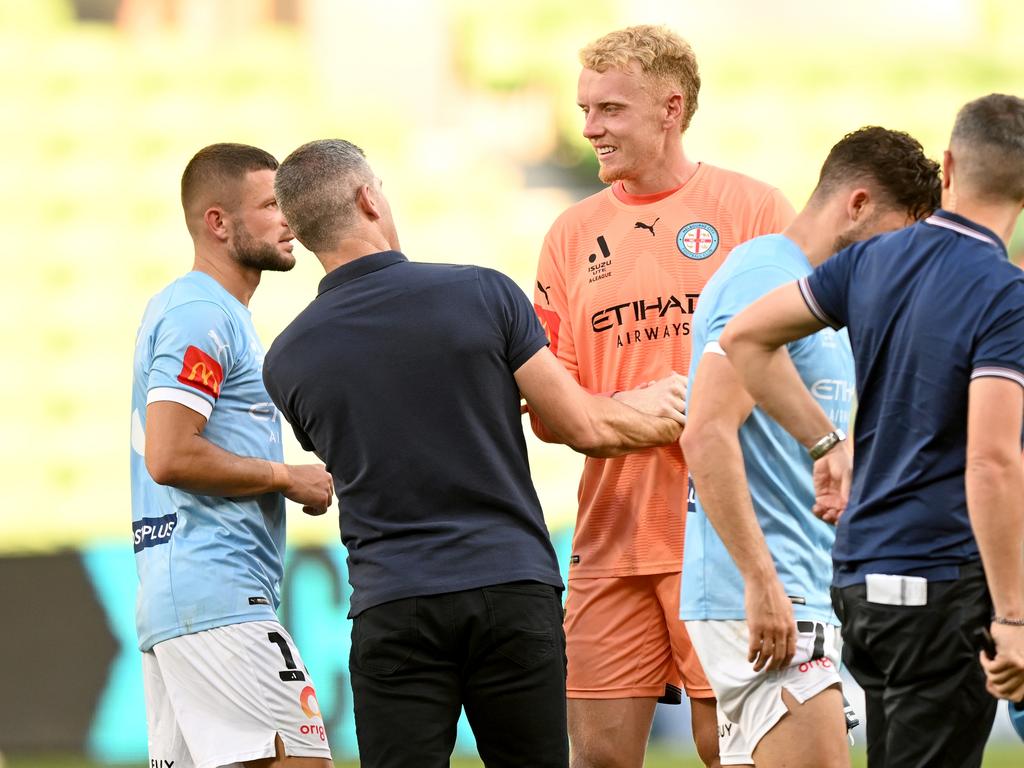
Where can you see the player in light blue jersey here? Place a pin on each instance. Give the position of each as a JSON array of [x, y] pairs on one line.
[[757, 563], [224, 682]]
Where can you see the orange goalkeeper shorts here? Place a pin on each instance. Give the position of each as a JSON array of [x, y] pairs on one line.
[[624, 639]]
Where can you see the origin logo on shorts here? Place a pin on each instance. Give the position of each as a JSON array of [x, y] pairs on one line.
[[202, 372], [823, 663], [153, 531], [697, 241], [311, 709]]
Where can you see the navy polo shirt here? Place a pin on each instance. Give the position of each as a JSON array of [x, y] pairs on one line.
[[400, 377], [928, 308]]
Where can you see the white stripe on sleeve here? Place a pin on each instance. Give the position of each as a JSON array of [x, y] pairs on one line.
[[1001, 373], [188, 399], [814, 306]]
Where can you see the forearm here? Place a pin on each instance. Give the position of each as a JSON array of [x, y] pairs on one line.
[[755, 342], [614, 429], [715, 460], [541, 430], [197, 465], [995, 503], [591, 424], [770, 377]]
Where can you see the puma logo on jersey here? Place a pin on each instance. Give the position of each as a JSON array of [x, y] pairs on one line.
[[641, 225], [219, 344], [544, 290]]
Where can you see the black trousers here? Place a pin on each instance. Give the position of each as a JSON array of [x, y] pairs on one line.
[[918, 665], [498, 651]]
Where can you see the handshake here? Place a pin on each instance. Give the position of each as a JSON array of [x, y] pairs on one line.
[[665, 398]]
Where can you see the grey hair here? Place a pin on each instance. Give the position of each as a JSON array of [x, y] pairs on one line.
[[988, 147], [316, 188]]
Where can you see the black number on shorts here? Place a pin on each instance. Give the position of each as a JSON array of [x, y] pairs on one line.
[[292, 672]]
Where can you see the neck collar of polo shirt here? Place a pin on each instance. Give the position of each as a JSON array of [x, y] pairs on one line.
[[364, 265], [974, 229]]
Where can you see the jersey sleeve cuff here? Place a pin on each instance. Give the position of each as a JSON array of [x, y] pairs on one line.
[[814, 306], [528, 350], [983, 371], [190, 400]]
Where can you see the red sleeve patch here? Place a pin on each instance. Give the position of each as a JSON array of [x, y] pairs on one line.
[[550, 321], [201, 372]]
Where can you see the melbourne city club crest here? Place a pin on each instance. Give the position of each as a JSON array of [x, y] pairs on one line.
[[697, 240]]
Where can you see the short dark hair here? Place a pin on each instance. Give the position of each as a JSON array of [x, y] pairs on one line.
[[213, 169], [893, 162], [316, 189], [988, 147]]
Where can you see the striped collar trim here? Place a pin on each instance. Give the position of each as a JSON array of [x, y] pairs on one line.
[[939, 221]]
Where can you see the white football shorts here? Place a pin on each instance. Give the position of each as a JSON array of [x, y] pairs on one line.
[[219, 697], [750, 703]]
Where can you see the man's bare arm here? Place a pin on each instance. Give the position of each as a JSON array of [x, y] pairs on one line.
[[177, 454], [754, 341], [995, 502], [591, 424], [718, 408], [649, 398]]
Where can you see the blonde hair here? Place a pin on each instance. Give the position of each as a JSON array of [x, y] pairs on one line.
[[661, 54]]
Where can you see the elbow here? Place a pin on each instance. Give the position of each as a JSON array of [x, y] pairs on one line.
[[699, 441], [742, 338], [690, 442], [587, 437], [728, 338], [590, 442], [735, 341], [163, 469], [601, 451], [542, 432], [992, 466]]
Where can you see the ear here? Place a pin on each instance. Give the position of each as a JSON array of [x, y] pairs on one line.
[[947, 169], [858, 204], [366, 199], [215, 220], [673, 110]]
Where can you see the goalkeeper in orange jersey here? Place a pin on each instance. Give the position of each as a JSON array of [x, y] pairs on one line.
[[619, 277]]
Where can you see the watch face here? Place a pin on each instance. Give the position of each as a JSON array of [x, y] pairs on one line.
[[826, 444]]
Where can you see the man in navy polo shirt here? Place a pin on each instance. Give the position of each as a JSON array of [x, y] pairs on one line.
[[935, 314], [405, 379]]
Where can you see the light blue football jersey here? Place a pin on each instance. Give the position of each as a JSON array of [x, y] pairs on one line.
[[204, 561], [777, 466]]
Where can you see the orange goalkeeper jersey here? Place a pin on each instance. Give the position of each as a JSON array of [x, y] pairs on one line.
[[618, 280]]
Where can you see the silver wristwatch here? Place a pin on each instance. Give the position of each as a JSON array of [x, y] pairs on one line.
[[826, 444]]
